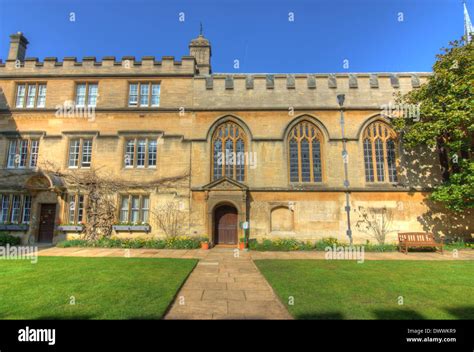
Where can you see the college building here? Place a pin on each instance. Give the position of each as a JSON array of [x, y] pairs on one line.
[[227, 152]]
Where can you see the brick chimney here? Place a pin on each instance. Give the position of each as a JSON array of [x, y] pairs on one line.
[[18, 44]]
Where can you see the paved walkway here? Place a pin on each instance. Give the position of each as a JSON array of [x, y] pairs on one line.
[[466, 254], [120, 252], [226, 284]]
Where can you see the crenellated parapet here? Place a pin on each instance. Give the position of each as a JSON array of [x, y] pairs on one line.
[[108, 66], [303, 90]]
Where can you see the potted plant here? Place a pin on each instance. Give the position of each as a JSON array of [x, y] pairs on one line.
[[242, 243], [205, 244]]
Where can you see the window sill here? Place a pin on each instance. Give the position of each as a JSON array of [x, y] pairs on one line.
[[29, 168], [382, 184], [151, 168], [14, 227], [70, 228], [308, 185], [32, 108], [132, 228], [142, 107]]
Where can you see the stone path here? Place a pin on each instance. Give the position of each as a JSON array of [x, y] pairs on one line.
[[465, 254], [226, 284], [120, 252]]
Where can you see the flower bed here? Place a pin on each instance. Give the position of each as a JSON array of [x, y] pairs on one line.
[[291, 244], [181, 242]]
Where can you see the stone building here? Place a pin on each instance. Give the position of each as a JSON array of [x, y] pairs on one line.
[[257, 149]]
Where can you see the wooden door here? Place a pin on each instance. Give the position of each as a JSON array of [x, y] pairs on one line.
[[226, 225], [46, 225]]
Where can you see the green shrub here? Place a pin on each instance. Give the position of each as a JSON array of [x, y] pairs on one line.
[[73, 243], [280, 244], [380, 247], [9, 239], [321, 245], [291, 244], [457, 244], [181, 242]]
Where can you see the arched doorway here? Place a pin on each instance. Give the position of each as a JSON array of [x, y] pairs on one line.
[[225, 225]]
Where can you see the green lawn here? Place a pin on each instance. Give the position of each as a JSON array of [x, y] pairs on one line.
[[103, 288], [346, 290]]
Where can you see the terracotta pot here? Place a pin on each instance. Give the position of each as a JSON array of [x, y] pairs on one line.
[[204, 245], [241, 245]]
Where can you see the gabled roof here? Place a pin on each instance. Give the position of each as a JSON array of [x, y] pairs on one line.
[[225, 183]]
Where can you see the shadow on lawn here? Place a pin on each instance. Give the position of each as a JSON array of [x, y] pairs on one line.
[[72, 317], [394, 314], [466, 312], [378, 314], [321, 316], [92, 317]]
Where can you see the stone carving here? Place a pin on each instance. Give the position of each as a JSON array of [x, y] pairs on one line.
[[229, 82], [374, 81], [332, 82], [311, 82], [353, 81], [290, 81], [249, 82], [415, 81], [394, 81], [209, 82], [270, 79]]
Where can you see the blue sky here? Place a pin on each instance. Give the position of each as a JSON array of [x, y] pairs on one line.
[[258, 33]]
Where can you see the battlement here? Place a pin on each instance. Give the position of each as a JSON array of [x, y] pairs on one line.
[[90, 66], [314, 81], [303, 90]]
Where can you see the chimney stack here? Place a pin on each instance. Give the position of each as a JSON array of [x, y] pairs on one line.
[[18, 44]]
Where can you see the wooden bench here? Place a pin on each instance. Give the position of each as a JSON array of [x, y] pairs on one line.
[[417, 239]]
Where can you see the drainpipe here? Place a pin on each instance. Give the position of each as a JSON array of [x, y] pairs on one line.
[[345, 158]]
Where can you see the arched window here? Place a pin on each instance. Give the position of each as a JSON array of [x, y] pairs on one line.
[[228, 152], [305, 153], [380, 159]]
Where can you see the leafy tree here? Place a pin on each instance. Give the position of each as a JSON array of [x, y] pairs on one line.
[[447, 122]]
